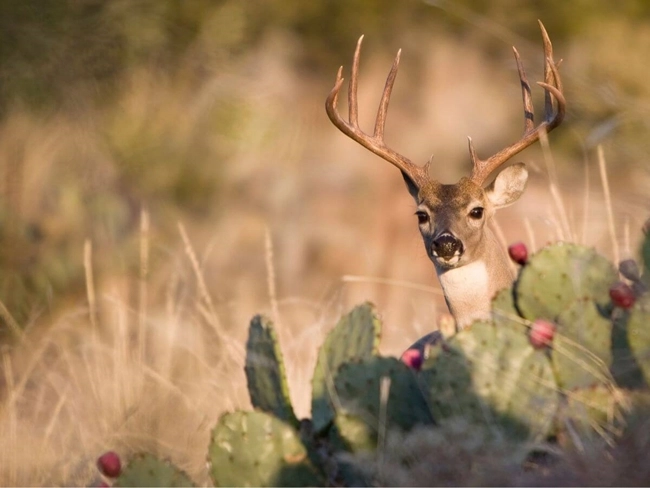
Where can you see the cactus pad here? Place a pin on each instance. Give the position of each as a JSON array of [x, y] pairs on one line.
[[645, 255], [625, 367], [592, 411], [358, 387], [355, 336], [258, 449], [147, 470], [265, 373], [353, 433], [492, 375], [558, 275], [503, 307], [638, 329], [582, 346]]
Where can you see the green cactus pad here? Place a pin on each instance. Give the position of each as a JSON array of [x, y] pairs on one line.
[[582, 346], [625, 367], [258, 449], [645, 255], [492, 375], [594, 411], [147, 470], [355, 336], [358, 393], [638, 329], [503, 307], [353, 434], [265, 373], [558, 275]]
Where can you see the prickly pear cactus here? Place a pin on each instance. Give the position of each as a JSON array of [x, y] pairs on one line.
[[258, 449], [638, 328], [382, 393], [490, 374], [265, 373], [582, 346], [353, 433], [625, 367], [147, 470], [503, 307], [645, 255], [559, 275], [590, 412], [356, 336]]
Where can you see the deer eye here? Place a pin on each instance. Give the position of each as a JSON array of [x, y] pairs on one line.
[[476, 213], [423, 217]]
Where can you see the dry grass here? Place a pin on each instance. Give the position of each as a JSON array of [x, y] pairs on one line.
[[149, 351]]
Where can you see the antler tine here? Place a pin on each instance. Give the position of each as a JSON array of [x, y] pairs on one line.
[[529, 111], [551, 76], [552, 85], [353, 105], [374, 143], [385, 98]]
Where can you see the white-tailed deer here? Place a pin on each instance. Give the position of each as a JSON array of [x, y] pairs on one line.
[[453, 219]]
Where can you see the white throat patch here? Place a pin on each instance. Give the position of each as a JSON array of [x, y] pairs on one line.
[[468, 291]]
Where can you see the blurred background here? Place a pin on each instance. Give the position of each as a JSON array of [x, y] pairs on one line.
[[167, 170]]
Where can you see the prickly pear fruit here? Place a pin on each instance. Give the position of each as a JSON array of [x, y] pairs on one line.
[[413, 359], [541, 333], [109, 464], [518, 253], [622, 295]]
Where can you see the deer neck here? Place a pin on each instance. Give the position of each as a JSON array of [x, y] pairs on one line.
[[469, 289]]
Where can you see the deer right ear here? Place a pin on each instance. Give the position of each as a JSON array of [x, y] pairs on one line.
[[508, 186], [411, 186]]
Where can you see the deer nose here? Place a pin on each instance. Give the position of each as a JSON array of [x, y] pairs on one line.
[[446, 246]]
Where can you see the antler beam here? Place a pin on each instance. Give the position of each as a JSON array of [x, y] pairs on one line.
[[374, 142], [552, 84]]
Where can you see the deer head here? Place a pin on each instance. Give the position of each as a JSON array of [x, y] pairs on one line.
[[453, 219]]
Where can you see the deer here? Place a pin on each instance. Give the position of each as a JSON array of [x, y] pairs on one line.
[[454, 219]]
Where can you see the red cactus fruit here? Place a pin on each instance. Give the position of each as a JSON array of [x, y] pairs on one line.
[[518, 253], [413, 359], [541, 333], [622, 295], [109, 464]]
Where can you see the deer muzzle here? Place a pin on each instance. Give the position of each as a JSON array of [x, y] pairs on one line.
[[447, 248]]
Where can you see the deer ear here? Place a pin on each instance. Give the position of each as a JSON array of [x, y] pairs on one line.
[[411, 186], [508, 186]]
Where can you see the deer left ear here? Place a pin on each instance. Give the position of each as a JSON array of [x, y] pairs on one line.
[[508, 186], [411, 186]]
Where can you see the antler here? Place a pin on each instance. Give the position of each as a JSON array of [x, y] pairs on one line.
[[552, 89], [375, 143]]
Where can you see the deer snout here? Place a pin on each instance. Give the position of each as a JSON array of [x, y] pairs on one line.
[[446, 246]]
